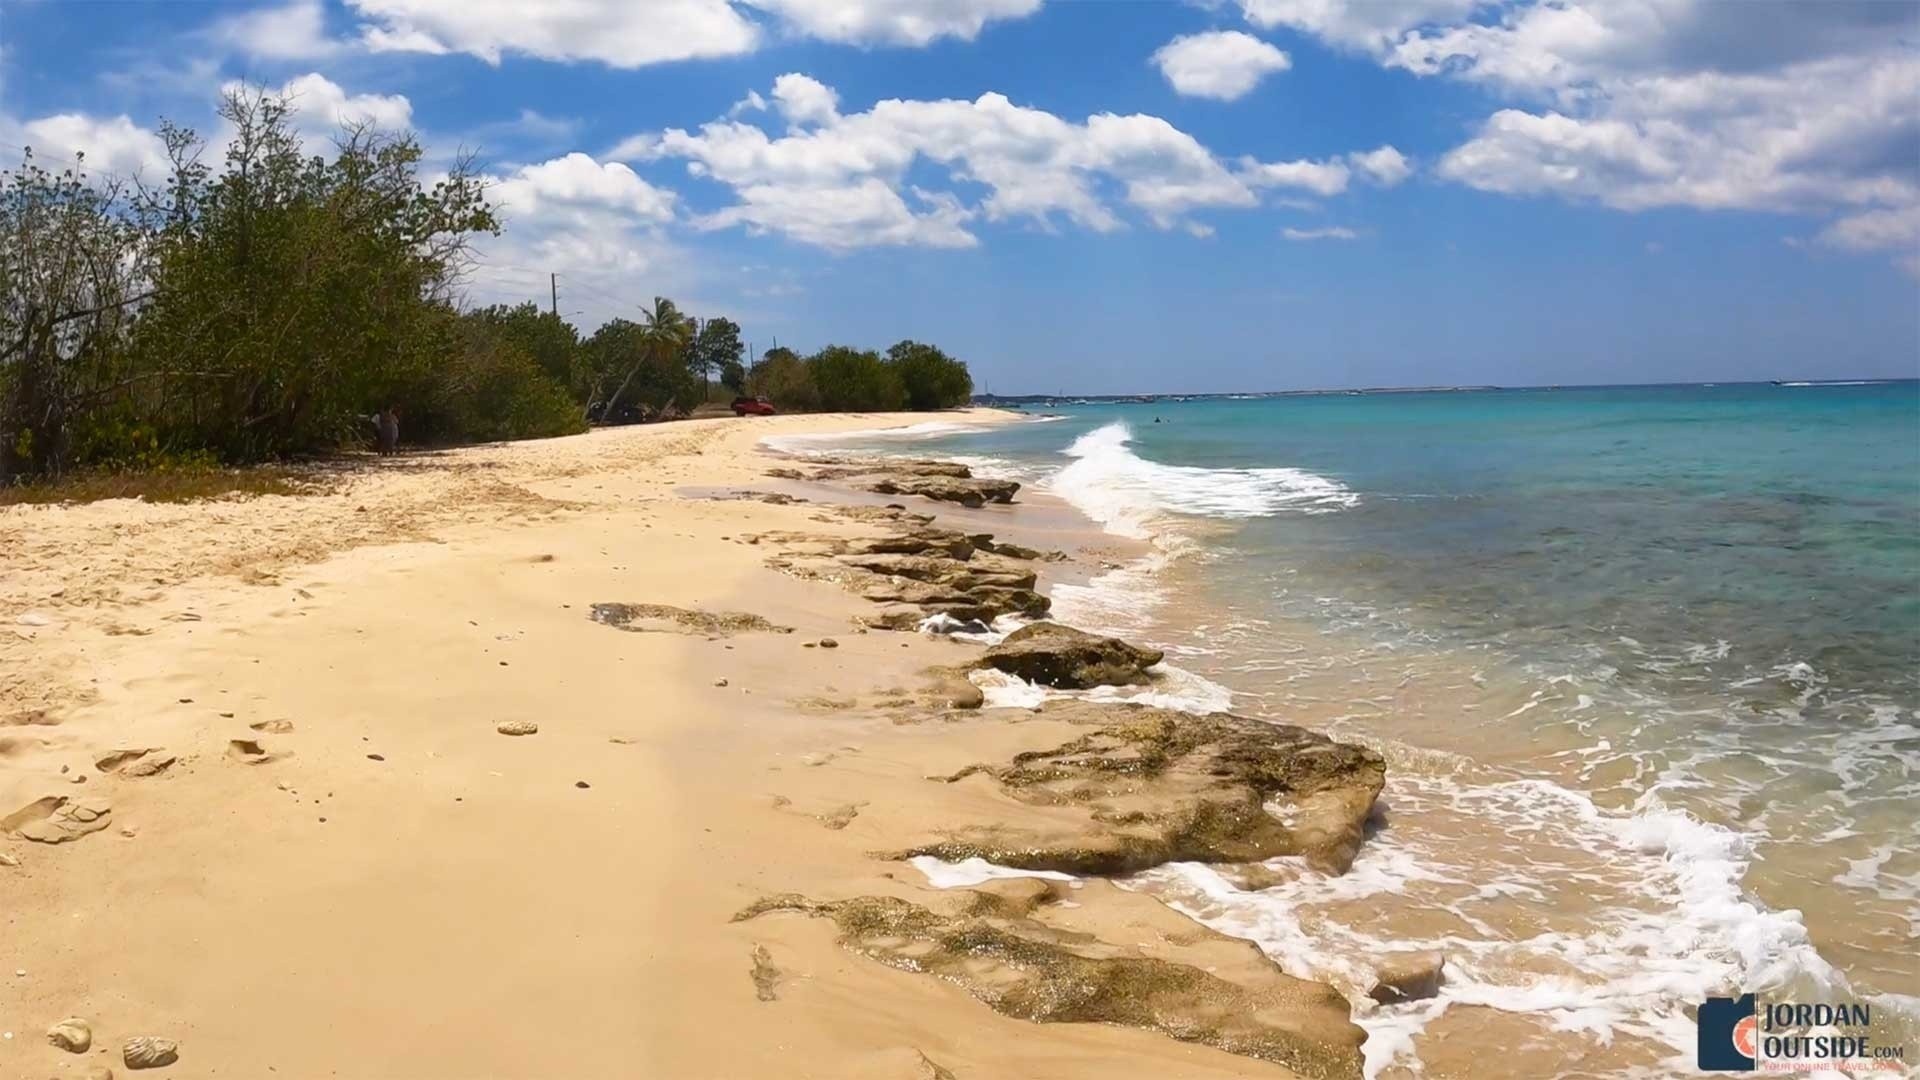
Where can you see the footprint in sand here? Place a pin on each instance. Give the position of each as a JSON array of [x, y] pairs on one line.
[[57, 819]]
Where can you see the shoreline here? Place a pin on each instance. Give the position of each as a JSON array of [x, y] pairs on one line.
[[344, 868]]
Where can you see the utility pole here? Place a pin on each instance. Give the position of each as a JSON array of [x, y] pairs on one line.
[[553, 284]]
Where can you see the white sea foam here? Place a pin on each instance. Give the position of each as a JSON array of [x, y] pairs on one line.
[[1127, 494], [1651, 916]]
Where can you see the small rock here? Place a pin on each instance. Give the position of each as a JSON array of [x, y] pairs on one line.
[[1408, 977], [581, 784], [516, 727], [149, 1052], [375, 757], [719, 682], [272, 727], [829, 643], [77, 778], [128, 833], [73, 1035], [95, 1072], [8, 860]]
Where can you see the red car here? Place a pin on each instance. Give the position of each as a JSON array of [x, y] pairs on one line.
[[752, 406]]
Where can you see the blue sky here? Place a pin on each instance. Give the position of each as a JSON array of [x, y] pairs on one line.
[[1120, 197]]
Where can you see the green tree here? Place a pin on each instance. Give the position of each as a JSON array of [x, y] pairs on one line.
[[72, 270], [933, 379], [855, 380], [715, 348], [782, 377], [294, 294], [551, 341]]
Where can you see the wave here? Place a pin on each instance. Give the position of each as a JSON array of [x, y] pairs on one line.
[[1127, 494]]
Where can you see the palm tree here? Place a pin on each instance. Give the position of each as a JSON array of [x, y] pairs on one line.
[[665, 333]]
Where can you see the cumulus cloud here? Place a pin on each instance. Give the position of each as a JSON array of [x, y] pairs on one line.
[[839, 180], [617, 33], [596, 223], [106, 145], [1330, 232], [1223, 65], [1385, 166], [894, 22], [1369, 25], [1635, 104], [1319, 177], [803, 100], [295, 31], [626, 34]]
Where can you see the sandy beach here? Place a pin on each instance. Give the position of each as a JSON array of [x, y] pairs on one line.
[[298, 842]]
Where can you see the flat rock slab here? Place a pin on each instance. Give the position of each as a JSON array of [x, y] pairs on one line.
[[986, 942], [1147, 786]]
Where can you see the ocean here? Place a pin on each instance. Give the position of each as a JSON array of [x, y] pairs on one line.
[[1645, 663]]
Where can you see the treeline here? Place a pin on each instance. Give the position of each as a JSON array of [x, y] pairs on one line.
[[842, 379], [269, 308]]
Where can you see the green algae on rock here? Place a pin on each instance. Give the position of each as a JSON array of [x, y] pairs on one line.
[[660, 618], [993, 949], [1056, 655], [1150, 786]]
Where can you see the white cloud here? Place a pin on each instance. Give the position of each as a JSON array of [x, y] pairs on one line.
[[632, 33], [1635, 104], [804, 100], [894, 22], [1319, 177], [1384, 166], [326, 106], [1892, 230], [296, 31], [1370, 25], [1330, 232], [596, 223], [114, 145], [1224, 65], [579, 186], [618, 33], [839, 180]]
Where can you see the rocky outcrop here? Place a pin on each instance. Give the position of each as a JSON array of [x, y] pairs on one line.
[[1146, 786], [1052, 654], [988, 942], [971, 492], [942, 481]]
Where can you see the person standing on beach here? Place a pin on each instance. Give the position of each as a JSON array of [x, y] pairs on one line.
[[387, 430]]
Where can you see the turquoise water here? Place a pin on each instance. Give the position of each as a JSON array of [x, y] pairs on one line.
[[1646, 659]]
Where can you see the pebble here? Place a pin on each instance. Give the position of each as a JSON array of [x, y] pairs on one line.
[[829, 643], [581, 784], [8, 860], [516, 727], [149, 1052], [375, 757], [719, 682], [73, 1035]]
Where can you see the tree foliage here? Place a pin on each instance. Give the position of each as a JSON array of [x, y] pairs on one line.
[[911, 376], [267, 305], [933, 379]]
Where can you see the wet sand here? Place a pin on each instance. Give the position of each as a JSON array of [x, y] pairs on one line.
[[348, 869]]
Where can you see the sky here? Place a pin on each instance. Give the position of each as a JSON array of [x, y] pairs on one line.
[[1115, 197]]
